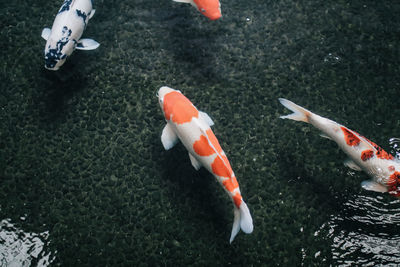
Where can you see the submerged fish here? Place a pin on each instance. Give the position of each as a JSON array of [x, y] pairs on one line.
[[192, 128], [364, 155], [64, 36], [209, 8]]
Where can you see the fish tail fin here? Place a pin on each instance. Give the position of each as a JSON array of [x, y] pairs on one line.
[[242, 220], [299, 113]]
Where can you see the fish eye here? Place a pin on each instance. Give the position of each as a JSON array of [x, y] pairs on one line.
[[203, 10]]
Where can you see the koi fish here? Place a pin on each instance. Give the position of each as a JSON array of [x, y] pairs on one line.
[[192, 128], [364, 155], [64, 36], [209, 8]]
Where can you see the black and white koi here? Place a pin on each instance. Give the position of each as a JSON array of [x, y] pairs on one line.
[[64, 36]]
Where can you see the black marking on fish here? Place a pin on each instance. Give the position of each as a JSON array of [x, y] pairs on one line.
[[64, 31], [65, 6], [82, 15], [54, 55]]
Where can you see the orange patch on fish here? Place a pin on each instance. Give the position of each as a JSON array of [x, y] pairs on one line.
[[391, 168], [230, 184], [380, 153], [202, 147], [350, 138], [178, 108], [394, 184], [209, 8], [367, 154], [214, 140], [221, 167], [237, 199]]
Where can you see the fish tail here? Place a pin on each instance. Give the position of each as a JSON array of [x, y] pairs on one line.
[[299, 113], [242, 220]]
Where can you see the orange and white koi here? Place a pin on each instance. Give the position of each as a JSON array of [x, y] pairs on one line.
[[192, 128], [364, 155], [209, 8]]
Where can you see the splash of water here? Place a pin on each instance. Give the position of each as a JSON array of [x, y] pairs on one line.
[[19, 248], [332, 59], [395, 147]]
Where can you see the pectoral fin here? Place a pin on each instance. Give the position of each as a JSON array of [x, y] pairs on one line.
[[183, 1], [91, 14], [87, 44], [204, 116], [325, 136], [46, 33], [168, 137], [195, 163], [373, 186], [352, 165]]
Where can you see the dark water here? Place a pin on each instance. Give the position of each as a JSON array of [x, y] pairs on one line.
[[84, 179]]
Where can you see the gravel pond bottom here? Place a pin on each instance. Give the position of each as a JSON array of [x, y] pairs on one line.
[[85, 181]]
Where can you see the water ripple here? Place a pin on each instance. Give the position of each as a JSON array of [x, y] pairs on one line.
[[395, 146], [366, 232]]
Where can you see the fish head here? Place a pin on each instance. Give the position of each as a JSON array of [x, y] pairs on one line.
[[58, 48], [209, 8], [53, 58], [175, 106], [162, 92]]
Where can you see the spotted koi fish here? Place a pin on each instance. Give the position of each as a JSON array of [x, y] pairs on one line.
[[209, 8], [364, 155], [192, 128], [64, 36]]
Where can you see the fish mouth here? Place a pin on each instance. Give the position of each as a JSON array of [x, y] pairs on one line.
[[162, 92], [51, 63]]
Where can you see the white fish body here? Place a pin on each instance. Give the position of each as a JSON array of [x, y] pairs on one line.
[[363, 154], [65, 34]]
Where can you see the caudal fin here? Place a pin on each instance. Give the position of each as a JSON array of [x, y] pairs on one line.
[[242, 221], [299, 113]]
